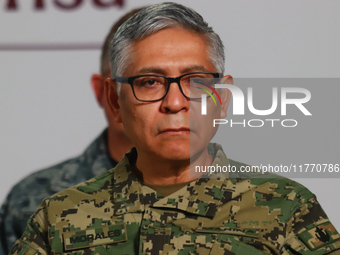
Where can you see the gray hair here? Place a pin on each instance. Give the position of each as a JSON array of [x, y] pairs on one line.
[[104, 58], [156, 17]]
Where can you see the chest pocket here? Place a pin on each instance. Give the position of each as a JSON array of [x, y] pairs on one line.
[[236, 241], [93, 241]]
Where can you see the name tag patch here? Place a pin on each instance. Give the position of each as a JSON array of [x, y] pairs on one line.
[[94, 237]]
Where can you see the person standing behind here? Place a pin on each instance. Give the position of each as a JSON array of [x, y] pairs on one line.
[[102, 154]]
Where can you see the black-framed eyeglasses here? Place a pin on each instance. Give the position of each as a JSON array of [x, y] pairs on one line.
[[154, 87]]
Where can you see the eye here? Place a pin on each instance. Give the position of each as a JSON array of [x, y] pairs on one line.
[[149, 82], [198, 80]]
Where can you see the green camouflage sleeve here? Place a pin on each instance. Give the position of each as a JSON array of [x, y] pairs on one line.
[[35, 237], [310, 231]]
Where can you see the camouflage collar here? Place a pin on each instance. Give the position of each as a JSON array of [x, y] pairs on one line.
[[201, 197]]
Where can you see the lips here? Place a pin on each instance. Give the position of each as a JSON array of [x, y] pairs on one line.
[[175, 130]]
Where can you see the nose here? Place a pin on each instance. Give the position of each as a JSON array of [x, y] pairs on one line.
[[175, 101]]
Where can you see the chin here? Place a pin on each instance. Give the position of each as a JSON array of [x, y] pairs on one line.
[[175, 151], [179, 156]]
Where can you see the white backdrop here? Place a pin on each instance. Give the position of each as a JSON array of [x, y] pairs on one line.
[[47, 109]]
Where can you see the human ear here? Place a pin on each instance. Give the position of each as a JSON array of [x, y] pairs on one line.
[[97, 84], [111, 95], [226, 95]]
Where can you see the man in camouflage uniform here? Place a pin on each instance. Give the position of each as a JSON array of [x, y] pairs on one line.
[[101, 155], [149, 203]]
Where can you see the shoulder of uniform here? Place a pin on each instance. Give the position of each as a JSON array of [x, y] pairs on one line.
[[289, 186], [236, 163], [282, 185], [99, 184]]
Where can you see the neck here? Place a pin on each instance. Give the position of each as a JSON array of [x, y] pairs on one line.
[[165, 171], [118, 144]]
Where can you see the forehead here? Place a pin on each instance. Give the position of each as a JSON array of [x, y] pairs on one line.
[[170, 50]]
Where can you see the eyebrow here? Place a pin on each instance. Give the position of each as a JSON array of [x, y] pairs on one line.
[[148, 70], [194, 68], [190, 69]]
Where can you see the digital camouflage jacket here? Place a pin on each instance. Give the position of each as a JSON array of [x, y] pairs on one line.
[[27, 195], [115, 213]]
